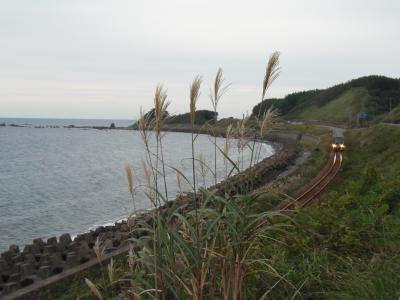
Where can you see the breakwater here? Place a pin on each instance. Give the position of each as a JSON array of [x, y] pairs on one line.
[[47, 265]]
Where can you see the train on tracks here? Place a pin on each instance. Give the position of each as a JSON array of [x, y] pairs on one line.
[[312, 192], [338, 142]]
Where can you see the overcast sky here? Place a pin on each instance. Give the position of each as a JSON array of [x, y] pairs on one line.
[[103, 59]]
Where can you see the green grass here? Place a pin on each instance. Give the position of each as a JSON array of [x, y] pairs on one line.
[[77, 288], [393, 116], [337, 110], [315, 130], [318, 156], [349, 247]]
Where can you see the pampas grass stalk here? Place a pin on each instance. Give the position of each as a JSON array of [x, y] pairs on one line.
[[242, 140], [145, 124], [194, 97], [163, 169], [202, 168], [267, 121], [160, 108], [129, 176], [216, 93], [272, 72], [265, 125], [93, 288], [110, 269], [227, 146], [160, 111], [98, 249], [179, 181]]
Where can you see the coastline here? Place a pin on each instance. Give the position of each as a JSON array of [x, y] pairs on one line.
[[183, 128], [44, 259], [18, 236]]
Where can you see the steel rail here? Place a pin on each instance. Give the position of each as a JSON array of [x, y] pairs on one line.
[[321, 183]]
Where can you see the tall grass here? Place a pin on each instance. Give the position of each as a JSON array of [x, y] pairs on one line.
[[228, 235], [217, 91], [227, 147], [129, 176], [160, 111], [194, 97], [272, 72], [207, 248]]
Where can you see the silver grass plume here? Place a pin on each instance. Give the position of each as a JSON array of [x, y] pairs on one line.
[[271, 73]]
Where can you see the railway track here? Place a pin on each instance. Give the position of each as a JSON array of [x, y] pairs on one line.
[[312, 192]]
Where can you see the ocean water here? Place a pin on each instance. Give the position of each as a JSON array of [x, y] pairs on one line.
[[57, 180]]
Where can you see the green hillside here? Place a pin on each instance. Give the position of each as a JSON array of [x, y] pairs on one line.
[[337, 110], [378, 96], [393, 116], [201, 117]]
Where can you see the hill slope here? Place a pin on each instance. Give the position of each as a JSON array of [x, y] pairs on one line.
[[378, 96], [201, 117]]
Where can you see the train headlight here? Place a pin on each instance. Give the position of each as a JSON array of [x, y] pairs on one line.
[[342, 146], [333, 145]]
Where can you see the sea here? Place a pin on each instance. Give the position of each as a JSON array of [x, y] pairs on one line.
[[56, 180]]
